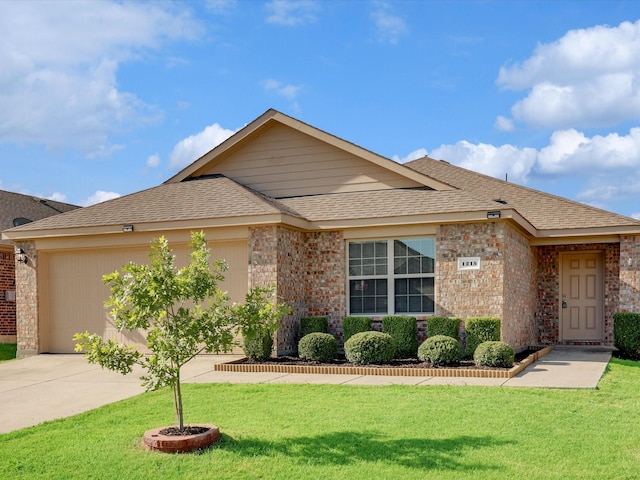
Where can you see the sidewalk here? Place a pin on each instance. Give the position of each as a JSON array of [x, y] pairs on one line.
[[46, 387]]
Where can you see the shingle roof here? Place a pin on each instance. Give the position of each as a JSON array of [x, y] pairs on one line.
[[544, 211], [16, 205], [385, 203], [206, 198]]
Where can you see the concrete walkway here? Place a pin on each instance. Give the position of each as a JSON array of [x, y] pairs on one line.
[[46, 387]]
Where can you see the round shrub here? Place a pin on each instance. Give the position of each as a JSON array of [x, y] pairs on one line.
[[258, 347], [440, 350], [494, 354], [321, 347], [369, 347]]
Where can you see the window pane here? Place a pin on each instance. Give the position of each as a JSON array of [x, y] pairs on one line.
[[414, 265], [414, 295], [414, 256], [399, 249], [401, 286], [401, 304], [368, 296], [368, 270], [381, 249], [354, 268], [368, 250], [415, 303], [355, 250]]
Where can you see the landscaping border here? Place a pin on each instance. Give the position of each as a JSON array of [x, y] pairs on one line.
[[241, 366]]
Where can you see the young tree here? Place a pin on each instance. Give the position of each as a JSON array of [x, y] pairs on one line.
[[259, 318], [183, 312]]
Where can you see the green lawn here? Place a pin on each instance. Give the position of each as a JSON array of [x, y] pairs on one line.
[[7, 351], [349, 432]]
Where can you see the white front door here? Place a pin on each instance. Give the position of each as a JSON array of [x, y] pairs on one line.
[[582, 305]]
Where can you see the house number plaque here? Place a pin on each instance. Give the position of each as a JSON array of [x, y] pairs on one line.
[[469, 263]]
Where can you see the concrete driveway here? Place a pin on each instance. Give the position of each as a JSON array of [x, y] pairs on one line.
[[46, 387]]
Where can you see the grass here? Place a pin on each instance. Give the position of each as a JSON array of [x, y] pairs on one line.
[[7, 351], [337, 432]]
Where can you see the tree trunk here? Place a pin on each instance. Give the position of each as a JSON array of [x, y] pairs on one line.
[[177, 400]]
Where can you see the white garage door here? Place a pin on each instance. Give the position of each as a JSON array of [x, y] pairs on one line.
[[73, 299]]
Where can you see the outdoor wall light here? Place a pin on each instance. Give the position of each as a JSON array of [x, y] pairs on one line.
[[495, 214], [127, 228], [20, 255]]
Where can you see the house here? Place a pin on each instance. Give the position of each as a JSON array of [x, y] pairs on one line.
[[343, 231], [17, 209]]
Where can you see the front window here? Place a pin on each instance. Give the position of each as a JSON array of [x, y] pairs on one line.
[[391, 276]]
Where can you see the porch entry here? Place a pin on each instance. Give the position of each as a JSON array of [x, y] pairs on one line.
[[582, 297]]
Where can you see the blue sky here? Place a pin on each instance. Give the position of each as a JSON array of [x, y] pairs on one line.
[[100, 99]]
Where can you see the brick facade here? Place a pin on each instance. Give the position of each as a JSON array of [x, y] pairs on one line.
[[27, 302], [516, 282], [630, 273], [7, 306], [309, 272], [503, 287], [548, 286]]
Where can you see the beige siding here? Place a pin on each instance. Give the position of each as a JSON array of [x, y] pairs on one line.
[[74, 301], [282, 162]]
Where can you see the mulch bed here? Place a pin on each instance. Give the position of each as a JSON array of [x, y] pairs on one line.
[[397, 363], [627, 356]]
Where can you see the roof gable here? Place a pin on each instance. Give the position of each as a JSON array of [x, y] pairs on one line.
[[282, 157]]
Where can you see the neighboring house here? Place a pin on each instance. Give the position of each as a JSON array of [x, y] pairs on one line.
[[343, 231], [17, 209]]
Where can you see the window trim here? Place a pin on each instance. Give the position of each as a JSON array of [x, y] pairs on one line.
[[390, 276]]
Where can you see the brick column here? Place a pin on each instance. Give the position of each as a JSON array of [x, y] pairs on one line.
[[7, 306], [629, 273], [28, 335]]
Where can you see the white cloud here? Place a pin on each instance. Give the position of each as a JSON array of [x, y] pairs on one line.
[[58, 197], [100, 196], [193, 147], [571, 151], [288, 91], [490, 160], [608, 166], [58, 81], [504, 124], [636, 215], [389, 27], [419, 153], [292, 13], [589, 77], [221, 7], [153, 161]]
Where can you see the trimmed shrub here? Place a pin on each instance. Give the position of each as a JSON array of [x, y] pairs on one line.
[[313, 324], [258, 346], [440, 350], [321, 347], [449, 326], [626, 333], [479, 330], [404, 331], [353, 325], [369, 347], [494, 354]]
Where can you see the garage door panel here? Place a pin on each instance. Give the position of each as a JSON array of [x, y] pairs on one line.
[[76, 292]]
